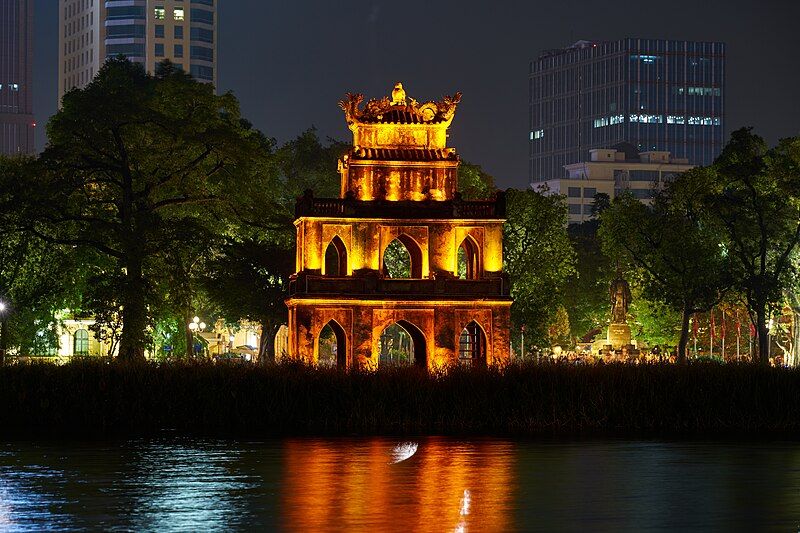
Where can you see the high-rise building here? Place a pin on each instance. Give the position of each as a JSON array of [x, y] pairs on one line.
[[655, 94], [146, 31], [16, 58]]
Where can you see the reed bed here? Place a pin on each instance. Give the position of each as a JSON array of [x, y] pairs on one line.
[[95, 398]]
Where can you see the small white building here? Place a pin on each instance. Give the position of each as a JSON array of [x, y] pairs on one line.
[[613, 171]]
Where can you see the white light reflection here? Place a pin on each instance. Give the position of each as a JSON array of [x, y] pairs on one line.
[[464, 511], [403, 451]]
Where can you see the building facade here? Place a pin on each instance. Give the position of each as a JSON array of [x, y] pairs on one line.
[[146, 31], [613, 172], [658, 95], [398, 189], [16, 77]]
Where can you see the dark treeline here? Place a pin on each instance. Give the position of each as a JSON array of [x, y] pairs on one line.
[[92, 398]]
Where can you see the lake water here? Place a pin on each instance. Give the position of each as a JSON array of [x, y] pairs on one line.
[[385, 484]]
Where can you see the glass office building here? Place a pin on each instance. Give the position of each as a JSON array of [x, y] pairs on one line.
[[16, 61], [658, 95], [146, 31]]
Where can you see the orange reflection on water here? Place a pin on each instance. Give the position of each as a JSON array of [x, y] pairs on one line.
[[355, 485]]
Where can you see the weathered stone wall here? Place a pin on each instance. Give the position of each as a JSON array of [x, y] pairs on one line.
[[366, 240], [441, 324]]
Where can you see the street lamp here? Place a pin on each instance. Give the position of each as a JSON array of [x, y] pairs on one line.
[[196, 326], [3, 308]]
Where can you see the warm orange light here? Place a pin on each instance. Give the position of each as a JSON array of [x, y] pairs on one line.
[[399, 154]]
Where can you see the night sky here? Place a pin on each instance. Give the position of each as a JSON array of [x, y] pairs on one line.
[[289, 63]]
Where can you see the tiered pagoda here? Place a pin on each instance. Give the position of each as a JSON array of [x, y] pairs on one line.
[[398, 184]]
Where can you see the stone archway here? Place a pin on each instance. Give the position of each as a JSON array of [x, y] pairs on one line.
[[331, 346], [415, 352], [335, 263], [403, 243], [472, 345], [469, 259]]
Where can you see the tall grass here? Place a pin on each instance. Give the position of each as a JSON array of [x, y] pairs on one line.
[[96, 398]]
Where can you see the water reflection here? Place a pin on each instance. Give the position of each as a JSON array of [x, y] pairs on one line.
[[188, 488], [350, 485], [379, 484]]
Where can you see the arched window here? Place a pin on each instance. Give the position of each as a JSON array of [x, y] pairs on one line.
[[335, 258], [81, 342], [401, 344], [469, 259], [472, 345], [332, 346], [402, 258]]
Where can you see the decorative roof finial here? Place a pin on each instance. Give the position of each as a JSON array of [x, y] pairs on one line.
[[398, 94]]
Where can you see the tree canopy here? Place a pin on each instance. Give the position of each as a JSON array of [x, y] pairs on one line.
[[131, 159], [538, 259]]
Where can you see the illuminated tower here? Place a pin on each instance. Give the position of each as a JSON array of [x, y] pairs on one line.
[[398, 189]]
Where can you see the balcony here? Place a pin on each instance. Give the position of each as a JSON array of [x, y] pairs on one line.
[[308, 206], [370, 285]]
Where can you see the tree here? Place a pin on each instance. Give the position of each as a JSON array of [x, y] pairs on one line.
[[250, 280], [680, 259], [131, 156], [538, 258], [35, 277], [248, 276], [474, 183], [586, 293], [754, 202]]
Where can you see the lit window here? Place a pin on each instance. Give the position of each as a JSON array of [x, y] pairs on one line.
[[160, 13], [14, 87], [81, 342], [177, 13], [538, 134]]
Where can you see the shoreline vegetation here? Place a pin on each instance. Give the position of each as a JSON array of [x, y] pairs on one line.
[[98, 399]]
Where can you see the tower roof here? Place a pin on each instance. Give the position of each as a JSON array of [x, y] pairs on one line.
[[399, 121]]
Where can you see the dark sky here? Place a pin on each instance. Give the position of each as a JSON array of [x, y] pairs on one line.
[[291, 62]]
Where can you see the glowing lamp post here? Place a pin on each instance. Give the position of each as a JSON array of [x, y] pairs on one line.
[[3, 309], [196, 326]]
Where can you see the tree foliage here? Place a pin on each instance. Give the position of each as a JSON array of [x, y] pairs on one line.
[[131, 157], [538, 258], [679, 258], [754, 203], [474, 183]]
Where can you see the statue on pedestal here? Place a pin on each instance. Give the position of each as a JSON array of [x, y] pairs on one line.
[[620, 293], [619, 332]]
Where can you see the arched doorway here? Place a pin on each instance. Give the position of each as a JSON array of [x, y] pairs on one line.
[[472, 345], [469, 259], [335, 258], [402, 344], [332, 346], [402, 258]]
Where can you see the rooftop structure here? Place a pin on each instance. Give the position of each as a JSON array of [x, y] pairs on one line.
[[614, 171]]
